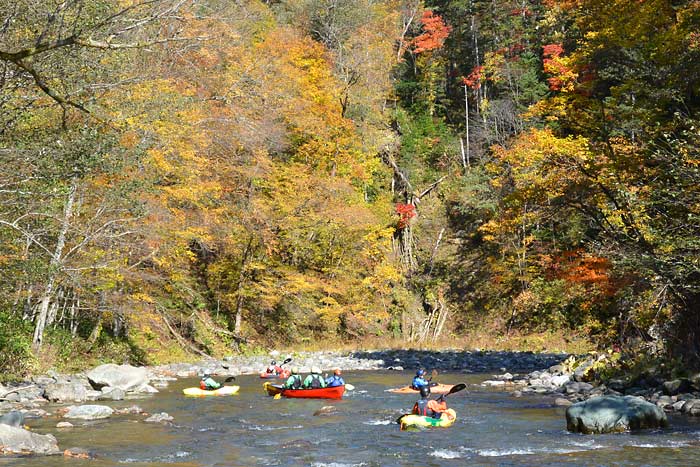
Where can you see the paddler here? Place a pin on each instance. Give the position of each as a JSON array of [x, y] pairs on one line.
[[429, 407], [335, 379], [294, 380], [419, 380], [314, 380], [208, 384], [273, 368]]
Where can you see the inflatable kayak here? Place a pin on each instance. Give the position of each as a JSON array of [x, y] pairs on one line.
[[335, 392], [222, 391], [437, 389], [446, 419]]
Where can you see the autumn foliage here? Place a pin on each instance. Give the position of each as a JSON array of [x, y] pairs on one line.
[[434, 33]]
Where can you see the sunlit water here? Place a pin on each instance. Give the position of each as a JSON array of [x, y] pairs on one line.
[[493, 429]]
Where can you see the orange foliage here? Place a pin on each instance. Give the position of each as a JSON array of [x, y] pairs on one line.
[[579, 267], [435, 31]]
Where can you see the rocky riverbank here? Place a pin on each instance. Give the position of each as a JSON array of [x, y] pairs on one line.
[[579, 379]]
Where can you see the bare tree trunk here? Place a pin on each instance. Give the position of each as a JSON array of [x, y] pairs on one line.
[[54, 266], [465, 160]]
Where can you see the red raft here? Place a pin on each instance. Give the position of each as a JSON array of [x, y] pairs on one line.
[[335, 392]]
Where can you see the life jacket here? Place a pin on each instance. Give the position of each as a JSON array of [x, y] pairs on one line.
[[334, 381], [296, 383], [315, 381], [202, 385], [421, 407]]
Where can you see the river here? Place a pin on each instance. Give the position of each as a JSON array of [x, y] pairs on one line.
[[493, 429]]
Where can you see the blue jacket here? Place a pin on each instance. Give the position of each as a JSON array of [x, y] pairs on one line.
[[419, 382], [334, 381]]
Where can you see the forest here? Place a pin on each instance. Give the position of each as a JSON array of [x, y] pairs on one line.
[[183, 178]]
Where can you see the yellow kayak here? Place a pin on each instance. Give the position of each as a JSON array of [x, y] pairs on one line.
[[447, 418], [222, 391]]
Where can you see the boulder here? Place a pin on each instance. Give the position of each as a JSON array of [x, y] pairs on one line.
[[124, 377], [577, 387], [64, 392], [561, 402], [677, 386], [15, 440], [110, 393], [14, 418], [89, 412], [611, 414], [64, 425]]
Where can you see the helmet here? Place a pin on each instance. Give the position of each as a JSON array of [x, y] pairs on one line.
[[315, 370], [424, 391], [337, 372], [420, 372], [273, 362], [295, 370]]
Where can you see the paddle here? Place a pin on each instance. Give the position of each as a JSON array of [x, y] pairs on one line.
[[286, 360], [229, 379], [454, 389], [349, 387]]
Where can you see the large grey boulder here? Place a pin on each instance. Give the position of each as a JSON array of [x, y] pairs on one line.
[[15, 440], [13, 418], [89, 412], [124, 377], [66, 392], [610, 414]]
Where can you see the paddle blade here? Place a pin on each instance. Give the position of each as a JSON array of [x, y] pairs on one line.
[[278, 396], [229, 379], [349, 387], [456, 388], [286, 360]]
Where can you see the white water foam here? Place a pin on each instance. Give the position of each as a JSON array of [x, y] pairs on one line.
[[336, 464], [445, 454], [272, 428], [379, 422]]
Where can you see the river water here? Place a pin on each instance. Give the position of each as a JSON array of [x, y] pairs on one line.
[[493, 429]]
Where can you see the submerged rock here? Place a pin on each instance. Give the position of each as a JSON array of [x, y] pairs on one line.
[[14, 440], [89, 412], [611, 414], [159, 418]]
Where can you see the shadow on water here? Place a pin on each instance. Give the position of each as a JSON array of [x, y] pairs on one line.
[[475, 361], [249, 429]]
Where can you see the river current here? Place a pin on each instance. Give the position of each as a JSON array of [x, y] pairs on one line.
[[249, 429]]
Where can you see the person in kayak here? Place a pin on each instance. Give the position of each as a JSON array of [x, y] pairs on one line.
[[314, 380], [273, 368], [429, 407], [294, 380], [335, 379], [419, 380], [208, 384]]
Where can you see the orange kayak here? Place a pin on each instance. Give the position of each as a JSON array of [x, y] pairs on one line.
[[438, 389]]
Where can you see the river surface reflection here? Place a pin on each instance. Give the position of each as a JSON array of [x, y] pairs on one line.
[[493, 429]]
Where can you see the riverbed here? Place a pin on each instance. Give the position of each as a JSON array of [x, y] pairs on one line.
[[493, 429]]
